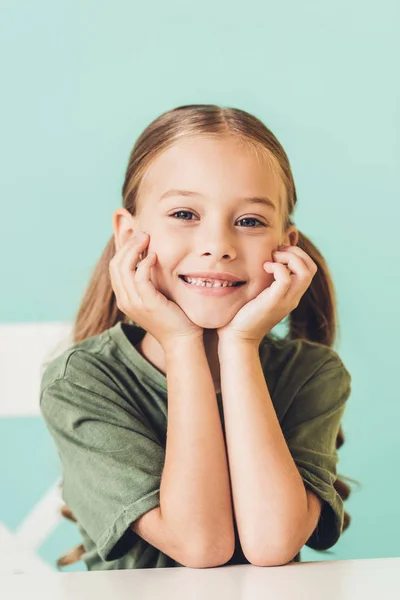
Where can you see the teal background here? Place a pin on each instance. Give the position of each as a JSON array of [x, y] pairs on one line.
[[81, 80]]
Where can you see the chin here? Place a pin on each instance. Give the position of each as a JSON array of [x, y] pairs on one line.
[[208, 320]]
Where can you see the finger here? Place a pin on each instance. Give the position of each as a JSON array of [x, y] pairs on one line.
[[291, 293], [294, 262], [130, 261], [304, 256], [137, 238], [133, 248], [283, 280], [127, 261], [144, 287], [301, 276], [124, 258], [121, 267]]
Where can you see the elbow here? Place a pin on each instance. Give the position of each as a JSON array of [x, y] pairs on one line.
[[207, 562], [277, 550], [275, 560], [215, 554], [271, 557]]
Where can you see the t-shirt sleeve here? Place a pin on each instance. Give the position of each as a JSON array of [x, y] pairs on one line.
[[111, 459], [310, 428]]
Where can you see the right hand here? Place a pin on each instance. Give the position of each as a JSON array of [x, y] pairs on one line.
[[138, 298]]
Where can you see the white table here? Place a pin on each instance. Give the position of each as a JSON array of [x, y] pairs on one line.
[[364, 579]]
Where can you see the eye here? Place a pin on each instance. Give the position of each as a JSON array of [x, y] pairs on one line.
[[188, 212], [261, 224]]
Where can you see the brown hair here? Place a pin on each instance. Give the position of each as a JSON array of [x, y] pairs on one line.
[[313, 319]]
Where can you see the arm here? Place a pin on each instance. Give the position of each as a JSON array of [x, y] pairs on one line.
[[195, 494], [275, 515]]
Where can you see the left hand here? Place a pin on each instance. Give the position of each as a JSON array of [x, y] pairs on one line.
[[256, 318]]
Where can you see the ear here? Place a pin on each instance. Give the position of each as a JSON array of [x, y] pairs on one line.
[[124, 225], [291, 236]]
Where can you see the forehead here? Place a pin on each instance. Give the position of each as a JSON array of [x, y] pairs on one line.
[[223, 167]]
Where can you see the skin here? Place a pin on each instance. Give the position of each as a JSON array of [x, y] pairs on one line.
[[213, 238]]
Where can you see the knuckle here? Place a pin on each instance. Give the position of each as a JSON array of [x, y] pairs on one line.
[[138, 280]]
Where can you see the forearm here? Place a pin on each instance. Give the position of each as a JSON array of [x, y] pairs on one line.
[[269, 496], [195, 496]]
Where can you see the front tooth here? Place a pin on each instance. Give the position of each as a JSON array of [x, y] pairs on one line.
[[198, 282]]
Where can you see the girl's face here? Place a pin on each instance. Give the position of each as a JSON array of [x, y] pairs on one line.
[[216, 228]]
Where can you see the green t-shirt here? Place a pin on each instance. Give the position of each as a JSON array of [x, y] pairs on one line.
[[105, 406]]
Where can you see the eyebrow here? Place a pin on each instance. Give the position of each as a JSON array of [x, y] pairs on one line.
[[264, 200]]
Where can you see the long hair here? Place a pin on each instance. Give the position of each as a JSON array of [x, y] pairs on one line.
[[314, 318]]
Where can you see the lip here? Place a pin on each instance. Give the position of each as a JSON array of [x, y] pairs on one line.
[[214, 275], [211, 291]]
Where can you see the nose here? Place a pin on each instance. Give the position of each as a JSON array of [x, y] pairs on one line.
[[217, 241]]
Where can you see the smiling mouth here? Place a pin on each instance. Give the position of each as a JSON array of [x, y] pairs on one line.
[[212, 283]]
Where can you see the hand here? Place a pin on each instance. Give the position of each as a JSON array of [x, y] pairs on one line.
[[138, 298], [256, 318]]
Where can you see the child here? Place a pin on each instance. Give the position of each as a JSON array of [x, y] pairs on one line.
[[189, 434]]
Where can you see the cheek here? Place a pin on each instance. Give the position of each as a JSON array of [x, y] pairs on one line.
[[260, 282]]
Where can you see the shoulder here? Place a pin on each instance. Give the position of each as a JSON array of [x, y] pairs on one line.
[[86, 395], [304, 357], [87, 377], [95, 380], [83, 357]]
